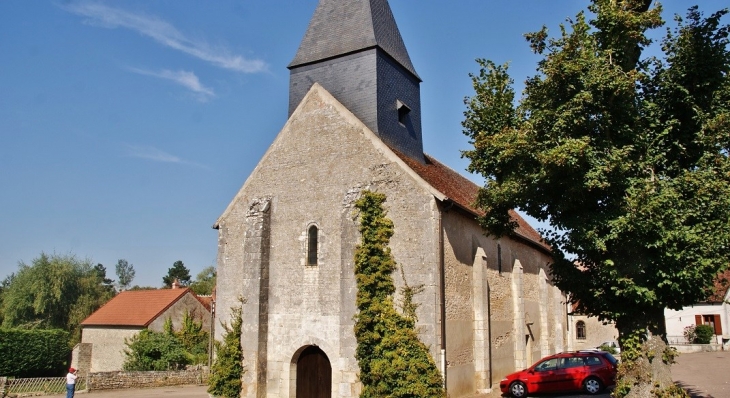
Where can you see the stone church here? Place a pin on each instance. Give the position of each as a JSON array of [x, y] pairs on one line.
[[287, 239]]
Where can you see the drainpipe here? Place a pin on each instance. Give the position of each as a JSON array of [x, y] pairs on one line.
[[212, 331], [442, 282]]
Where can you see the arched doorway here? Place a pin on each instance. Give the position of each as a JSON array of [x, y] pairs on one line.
[[314, 374]]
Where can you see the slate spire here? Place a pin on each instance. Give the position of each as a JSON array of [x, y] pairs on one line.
[[353, 48]]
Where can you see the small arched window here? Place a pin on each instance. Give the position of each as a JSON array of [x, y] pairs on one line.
[[312, 238], [580, 330]]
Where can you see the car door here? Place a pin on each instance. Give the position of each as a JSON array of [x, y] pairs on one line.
[[572, 372], [544, 376]]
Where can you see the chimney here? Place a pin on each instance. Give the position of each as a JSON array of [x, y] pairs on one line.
[[176, 284]]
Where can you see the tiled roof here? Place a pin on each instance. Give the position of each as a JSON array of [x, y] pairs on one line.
[[341, 27], [206, 301], [135, 308], [463, 192], [722, 284]]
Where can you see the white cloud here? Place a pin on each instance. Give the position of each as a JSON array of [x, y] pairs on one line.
[[152, 153], [165, 34], [186, 79], [157, 155]]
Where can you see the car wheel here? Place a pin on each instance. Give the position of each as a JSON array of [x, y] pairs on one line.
[[592, 385], [518, 389]]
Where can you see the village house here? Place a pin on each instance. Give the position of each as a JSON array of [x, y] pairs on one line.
[[715, 311], [104, 332], [287, 239]]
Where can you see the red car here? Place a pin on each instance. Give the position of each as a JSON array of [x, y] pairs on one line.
[[590, 371]]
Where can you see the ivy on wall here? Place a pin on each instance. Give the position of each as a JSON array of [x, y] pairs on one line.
[[393, 361]]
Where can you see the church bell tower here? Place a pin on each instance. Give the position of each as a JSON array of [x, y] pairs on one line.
[[354, 50]]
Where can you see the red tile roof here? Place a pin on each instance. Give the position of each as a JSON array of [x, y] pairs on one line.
[[463, 192], [206, 301], [135, 308], [722, 284]]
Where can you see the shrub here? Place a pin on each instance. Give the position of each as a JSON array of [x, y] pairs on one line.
[[704, 334], [608, 348], [689, 334], [226, 372], [150, 350], [33, 353]]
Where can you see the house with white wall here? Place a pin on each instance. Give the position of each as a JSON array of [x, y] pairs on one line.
[[715, 311]]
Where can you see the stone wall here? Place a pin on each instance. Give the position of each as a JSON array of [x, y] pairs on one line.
[[596, 332], [107, 346], [81, 358], [123, 380], [319, 163], [501, 314]]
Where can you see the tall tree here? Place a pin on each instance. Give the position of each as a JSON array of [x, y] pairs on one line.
[[101, 272], [56, 291], [179, 272], [626, 158], [393, 361], [125, 274], [204, 282]]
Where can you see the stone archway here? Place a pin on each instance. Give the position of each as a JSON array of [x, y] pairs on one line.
[[314, 374]]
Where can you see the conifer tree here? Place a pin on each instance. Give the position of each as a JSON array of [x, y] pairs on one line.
[[393, 361]]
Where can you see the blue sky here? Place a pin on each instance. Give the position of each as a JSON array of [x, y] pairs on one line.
[[127, 127]]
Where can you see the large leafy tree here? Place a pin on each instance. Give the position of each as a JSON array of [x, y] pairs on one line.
[[54, 291], [625, 156], [178, 271]]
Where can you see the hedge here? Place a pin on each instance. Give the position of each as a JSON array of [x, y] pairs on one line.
[[34, 353]]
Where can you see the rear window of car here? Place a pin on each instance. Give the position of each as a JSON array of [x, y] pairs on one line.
[[610, 358], [591, 360]]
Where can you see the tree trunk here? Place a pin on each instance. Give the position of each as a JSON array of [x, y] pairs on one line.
[[646, 359]]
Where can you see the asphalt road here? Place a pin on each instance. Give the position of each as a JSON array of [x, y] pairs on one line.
[[703, 375]]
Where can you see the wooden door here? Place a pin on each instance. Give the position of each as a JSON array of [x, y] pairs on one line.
[[314, 374]]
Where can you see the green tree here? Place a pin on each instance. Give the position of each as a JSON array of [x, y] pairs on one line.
[[150, 350], [56, 291], [205, 281], [101, 272], [3, 287], [125, 274], [625, 157], [393, 361], [227, 370], [193, 338], [179, 272]]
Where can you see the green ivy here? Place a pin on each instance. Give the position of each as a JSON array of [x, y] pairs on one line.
[[393, 361], [225, 375]]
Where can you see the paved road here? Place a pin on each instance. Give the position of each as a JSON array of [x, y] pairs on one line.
[[704, 375]]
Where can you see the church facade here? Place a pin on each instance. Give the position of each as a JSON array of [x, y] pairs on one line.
[[287, 239]]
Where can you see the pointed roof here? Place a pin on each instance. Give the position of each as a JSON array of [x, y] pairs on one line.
[[341, 27], [135, 308]]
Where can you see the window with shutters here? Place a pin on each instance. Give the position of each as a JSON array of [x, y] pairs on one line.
[[713, 320]]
